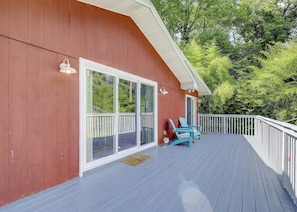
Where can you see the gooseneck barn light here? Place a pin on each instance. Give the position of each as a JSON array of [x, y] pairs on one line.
[[163, 91], [65, 67]]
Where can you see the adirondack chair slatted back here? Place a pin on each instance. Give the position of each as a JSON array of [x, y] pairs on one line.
[[183, 122], [172, 124]]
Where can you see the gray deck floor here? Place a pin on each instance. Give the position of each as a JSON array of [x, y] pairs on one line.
[[220, 173]]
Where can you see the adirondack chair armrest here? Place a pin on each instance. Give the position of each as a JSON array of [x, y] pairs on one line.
[[182, 130], [196, 127]]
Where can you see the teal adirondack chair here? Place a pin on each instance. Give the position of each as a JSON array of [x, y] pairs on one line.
[[196, 130], [182, 135]]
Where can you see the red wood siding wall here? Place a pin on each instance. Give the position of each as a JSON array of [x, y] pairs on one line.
[[39, 107]]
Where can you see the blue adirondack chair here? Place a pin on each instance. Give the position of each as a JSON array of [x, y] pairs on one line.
[[196, 130], [182, 135]]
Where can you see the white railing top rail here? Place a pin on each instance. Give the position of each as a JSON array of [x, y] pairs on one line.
[[286, 127], [225, 115], [121, 114], [100, 114]]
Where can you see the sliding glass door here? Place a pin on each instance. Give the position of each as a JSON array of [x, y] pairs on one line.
[[101, 114], [191, 110], [127, 124], [147, 114], [118, 114]]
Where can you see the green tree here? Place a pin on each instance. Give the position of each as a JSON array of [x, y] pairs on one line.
[[213, 67], [231, 44], [186, 19], [255, 25], [274, 84]]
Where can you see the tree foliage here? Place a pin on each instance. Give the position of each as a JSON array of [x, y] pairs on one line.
[[244, 51], [187, 18], [213, 67], [277, 81], [101, 94]]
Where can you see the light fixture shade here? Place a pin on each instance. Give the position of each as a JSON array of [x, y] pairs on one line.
[[65, 67], [163, 91]]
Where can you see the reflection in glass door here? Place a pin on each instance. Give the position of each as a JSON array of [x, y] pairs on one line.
[[127, 127], [100, 117], [147, 114]]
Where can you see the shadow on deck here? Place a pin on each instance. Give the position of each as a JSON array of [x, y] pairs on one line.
[[220, 173]]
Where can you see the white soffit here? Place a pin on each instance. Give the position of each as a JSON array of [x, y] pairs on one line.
[[144, 14]]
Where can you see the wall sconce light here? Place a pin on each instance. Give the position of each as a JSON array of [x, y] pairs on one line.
[[65, 67], [190, 91], [163, 91]]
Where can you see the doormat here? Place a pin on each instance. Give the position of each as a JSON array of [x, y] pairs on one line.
[[136, 160]]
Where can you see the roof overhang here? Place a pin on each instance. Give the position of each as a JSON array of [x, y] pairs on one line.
[[145, 16]]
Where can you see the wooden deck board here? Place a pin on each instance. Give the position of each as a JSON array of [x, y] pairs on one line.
[[248, 198], [221, 173]]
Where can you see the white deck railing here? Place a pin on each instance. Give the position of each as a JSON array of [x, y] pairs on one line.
[[101, 125], [230, 124], [276, 139]]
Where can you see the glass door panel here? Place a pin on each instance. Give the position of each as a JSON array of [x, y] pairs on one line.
[[127, 114], [191, 110], [100, 118], [146, 114]]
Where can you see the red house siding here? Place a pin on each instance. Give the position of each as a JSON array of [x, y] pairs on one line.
[[4, 110], [39, 107]]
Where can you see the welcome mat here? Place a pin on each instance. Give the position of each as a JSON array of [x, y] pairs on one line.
[[136, 160]]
